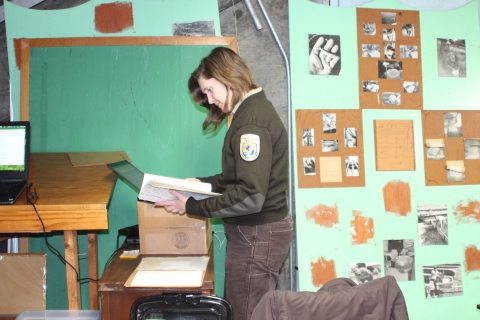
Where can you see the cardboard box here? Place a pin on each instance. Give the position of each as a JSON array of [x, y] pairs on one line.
[[163, 232]]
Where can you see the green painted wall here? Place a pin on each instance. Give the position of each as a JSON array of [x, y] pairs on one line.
[[135, 100], [341, 92]]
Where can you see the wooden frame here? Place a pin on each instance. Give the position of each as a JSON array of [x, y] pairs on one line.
[[22, 52]]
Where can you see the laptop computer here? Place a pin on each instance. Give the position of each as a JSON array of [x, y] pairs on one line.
[[129, 173], [14, 156]]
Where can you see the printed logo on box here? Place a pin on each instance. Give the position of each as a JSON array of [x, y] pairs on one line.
[[181, 240]]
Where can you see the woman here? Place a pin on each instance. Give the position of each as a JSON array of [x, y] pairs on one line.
[[253, 182]]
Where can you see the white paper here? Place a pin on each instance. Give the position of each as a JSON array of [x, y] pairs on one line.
[[171, 279]]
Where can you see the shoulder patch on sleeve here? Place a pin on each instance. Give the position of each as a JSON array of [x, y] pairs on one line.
[[249, 147]]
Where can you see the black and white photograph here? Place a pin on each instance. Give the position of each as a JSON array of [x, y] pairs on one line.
[[455, 171], [324, 54], [391, 98], [389, 18], [308, 137], [389, 50], [329, 145], [432, 224], [362, 272], [452, 59], [399, 258], [309, 166], [329, 123], [371, 86], [409, 52], [370, 50], [392, 70], [410, 86], [435, 149], [351, 166], [369, 28], [389, 34], [443, 280], [472, 149], [408, 30], [196, 28], [350, 137], [452, 124]]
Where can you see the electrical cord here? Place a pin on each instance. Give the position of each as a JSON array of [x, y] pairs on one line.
[[32, 199]]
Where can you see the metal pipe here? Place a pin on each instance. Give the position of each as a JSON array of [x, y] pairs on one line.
[[290, 149], [256, 22]]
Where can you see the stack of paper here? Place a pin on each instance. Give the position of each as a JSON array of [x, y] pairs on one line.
[[171, 272]]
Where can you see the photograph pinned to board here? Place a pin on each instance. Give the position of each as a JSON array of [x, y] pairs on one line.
[[452, 60], [391, 98], [371, 86], [389, 50], [472, 149], [308, 137], [325, 56], [410, 86], [329, 145], [389, 34], [399, 258], [329, 123], [455, 171], [309, 166], [370, 50], [195, 28], [443, 280], [409, 52], [432, 224], [362, 272], [452, 124], [351, 166], [350, 137], [392, 70], [435, 149], [369, 28], [408, 30], [389, 18], [330, 169]]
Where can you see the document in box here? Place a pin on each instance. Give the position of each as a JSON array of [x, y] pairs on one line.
[[155, 188], [171, 272]]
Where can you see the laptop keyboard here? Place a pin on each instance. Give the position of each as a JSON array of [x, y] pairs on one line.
[[9, 187]]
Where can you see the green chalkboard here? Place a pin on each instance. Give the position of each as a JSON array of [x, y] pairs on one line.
[[99, 95]]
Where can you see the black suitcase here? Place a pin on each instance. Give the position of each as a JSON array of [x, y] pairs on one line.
[[179, 306]]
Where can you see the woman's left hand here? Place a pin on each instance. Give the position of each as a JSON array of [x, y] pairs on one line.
[[176, 205]]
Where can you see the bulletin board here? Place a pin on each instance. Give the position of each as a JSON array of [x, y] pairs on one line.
[[330, 148], [389, 59], [451, 147]]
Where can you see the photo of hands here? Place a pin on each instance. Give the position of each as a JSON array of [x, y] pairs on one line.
[[324, 54]]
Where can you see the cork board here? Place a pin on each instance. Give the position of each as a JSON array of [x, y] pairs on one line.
[[330, 148], [389, 59], [394, 148], [451, 141]]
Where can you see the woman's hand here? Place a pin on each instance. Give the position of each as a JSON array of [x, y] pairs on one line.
[[176, 205]]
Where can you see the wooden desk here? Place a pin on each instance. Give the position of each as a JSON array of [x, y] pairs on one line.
[[70, 199], [118, 299]]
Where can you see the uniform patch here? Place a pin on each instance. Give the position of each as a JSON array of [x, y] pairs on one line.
[[249, 147]]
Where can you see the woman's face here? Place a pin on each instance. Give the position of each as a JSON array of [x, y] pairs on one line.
[[216, 92]]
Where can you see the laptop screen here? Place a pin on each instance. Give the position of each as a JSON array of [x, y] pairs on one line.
[[14, 149]]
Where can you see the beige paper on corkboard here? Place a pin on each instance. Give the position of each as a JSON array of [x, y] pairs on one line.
[[454, 128], [330, 148], [389, 79], [394, 148]]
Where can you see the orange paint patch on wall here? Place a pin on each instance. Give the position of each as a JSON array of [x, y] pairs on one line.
[[467, 212], [362, 228], [397, 197], [113, 17], [472, 259], [324, 215], [322, 271]]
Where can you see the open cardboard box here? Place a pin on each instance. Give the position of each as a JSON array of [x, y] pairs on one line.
[[163, 232]]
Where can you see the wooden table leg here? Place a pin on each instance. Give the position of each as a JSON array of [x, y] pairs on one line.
[[93, 269], [71, 255]]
